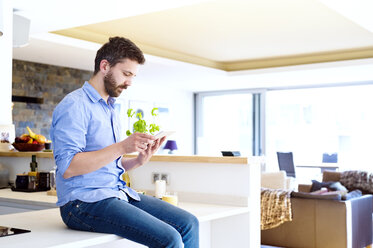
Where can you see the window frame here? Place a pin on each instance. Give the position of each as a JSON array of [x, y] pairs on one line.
[[258, 98]]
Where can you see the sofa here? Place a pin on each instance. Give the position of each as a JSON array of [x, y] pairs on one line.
[[324, 221]]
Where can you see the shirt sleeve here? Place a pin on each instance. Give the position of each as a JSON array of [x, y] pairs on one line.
[[68, 132]]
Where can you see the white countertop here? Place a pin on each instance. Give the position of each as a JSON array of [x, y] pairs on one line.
[[39, 198], [48, 230]]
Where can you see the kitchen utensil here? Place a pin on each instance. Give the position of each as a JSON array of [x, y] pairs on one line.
[[52, 182], [48, 146], [22, 181], [44, 181], [32, 180]]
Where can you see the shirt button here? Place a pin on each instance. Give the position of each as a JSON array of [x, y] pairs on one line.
[[77, 206]]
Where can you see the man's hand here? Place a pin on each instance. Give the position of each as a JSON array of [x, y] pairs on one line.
[[86, 162], [137, 142], [145, 155]]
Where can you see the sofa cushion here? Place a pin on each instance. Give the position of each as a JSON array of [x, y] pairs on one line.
[[330, 196], [352, 194], [316, 185], [337, 186], [332, 186], [331, 176]]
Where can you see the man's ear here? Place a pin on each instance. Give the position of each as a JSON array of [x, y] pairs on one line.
[[104, 66]]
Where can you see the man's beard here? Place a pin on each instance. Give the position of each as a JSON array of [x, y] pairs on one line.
[[111, 87]]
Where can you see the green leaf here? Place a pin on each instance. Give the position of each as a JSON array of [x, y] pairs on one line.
[[140, 125], [154, 111], [153, 128], [129, 112]]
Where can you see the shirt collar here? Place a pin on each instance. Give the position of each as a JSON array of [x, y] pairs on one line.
[[91, 92], [111, 100], [94, 95]]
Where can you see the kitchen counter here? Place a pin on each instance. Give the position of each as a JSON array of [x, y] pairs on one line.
[[38, 198], [155, 158], [217, 189], [48, 230]]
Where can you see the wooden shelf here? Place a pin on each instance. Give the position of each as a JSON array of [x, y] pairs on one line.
[[155, 158], [26, 154]]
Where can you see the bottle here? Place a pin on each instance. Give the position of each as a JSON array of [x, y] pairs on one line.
[[33, 164], [33, 174]]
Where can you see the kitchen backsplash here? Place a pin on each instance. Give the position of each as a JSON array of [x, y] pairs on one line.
[[47, 82]]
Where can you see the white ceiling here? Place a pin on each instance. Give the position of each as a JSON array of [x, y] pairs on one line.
[[229, 30], [291, 27]]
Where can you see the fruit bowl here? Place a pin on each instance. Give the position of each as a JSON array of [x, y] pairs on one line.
[[26, 147]]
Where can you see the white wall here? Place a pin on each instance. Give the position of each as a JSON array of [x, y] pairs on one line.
[[180, 104], [6, 46]]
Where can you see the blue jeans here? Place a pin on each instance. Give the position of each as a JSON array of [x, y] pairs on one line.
[[151, 222]]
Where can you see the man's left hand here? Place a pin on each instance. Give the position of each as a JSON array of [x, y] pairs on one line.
[[145, 155]]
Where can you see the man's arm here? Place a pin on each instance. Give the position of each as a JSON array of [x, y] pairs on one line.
[[86, 162], [143, 157]]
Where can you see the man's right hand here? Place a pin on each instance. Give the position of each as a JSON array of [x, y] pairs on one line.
[[137, 142]]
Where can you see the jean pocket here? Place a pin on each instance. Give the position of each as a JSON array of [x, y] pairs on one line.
[[66, 211], [75, 217]]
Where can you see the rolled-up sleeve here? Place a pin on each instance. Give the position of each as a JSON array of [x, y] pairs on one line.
[[68, 132]]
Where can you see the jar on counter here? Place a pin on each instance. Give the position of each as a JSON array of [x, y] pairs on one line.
[[52, 179], [32, 180], [44, 181]]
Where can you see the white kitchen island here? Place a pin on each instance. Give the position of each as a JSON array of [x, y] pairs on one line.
[[223, 192], [48, 230]]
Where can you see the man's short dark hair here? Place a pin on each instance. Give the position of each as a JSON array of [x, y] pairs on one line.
[[117, 49]]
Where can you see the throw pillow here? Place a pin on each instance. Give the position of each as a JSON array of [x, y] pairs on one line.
[[316, 185], [337, 186]]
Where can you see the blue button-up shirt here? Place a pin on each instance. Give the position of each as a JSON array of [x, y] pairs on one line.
[[84, 122]]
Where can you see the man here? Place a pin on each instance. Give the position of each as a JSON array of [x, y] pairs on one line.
[[88, 154]]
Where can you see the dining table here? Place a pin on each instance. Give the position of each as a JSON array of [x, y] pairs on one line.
[[323, 166]]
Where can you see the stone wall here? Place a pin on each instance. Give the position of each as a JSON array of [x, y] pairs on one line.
[[49, 82]]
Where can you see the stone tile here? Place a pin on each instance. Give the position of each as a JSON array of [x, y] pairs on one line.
[[49, 82]]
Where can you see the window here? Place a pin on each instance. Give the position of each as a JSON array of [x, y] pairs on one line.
[[310, 122], [224, 123]]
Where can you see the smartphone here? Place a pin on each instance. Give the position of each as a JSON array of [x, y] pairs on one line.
[[161, 134]]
